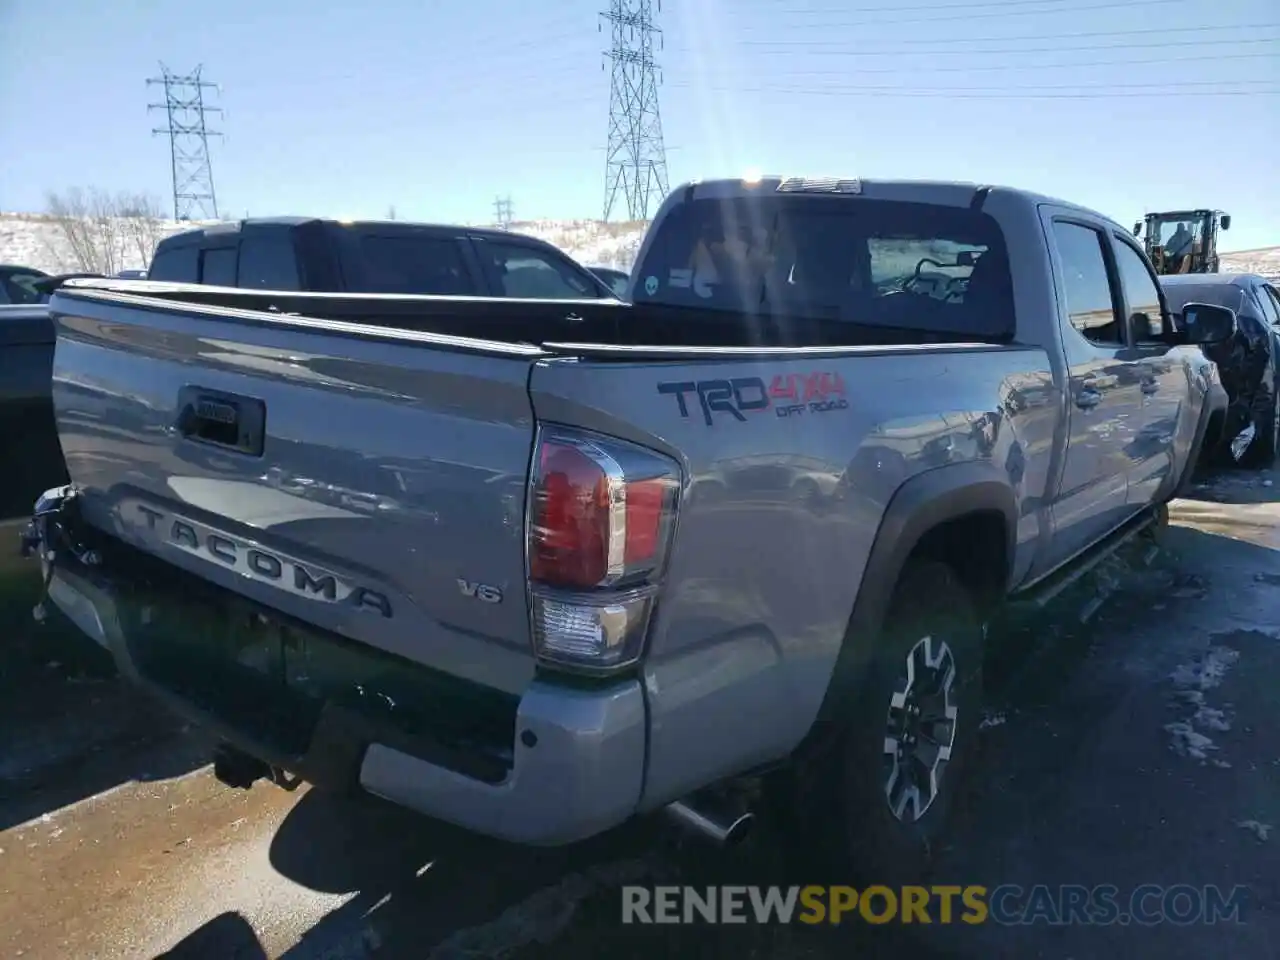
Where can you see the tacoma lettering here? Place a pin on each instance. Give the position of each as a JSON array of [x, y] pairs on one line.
[[278, 571]]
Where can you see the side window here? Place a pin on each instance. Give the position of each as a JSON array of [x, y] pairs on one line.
[[1270, 314], [414, 265], [18, 287], [535, 274], [268, 263], [1271, 292], [1087, 290], [176, 265], [1140, 290], [218, 266]]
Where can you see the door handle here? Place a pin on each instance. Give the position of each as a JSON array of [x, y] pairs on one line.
[[220, 419]]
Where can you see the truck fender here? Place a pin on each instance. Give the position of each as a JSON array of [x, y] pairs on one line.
[[1211, 410], [919, 505]]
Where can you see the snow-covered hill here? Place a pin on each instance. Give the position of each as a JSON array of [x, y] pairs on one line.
[[39, 241]]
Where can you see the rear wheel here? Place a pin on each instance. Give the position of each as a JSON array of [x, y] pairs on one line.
[[888, 787]]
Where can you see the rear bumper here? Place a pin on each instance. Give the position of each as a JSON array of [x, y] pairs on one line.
[[575, 767]]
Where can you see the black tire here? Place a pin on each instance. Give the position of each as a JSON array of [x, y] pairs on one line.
[[862, 836]]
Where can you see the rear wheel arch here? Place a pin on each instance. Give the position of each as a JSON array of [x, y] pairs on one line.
[[964, 516]]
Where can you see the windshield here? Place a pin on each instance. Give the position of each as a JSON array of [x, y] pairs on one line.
[[1178, 230], [921, 267]]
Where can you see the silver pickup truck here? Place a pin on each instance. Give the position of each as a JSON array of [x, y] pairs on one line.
[[536, 567]]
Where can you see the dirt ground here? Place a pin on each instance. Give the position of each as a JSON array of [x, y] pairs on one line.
[[1136, 746]]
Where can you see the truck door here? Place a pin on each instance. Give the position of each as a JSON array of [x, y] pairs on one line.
[[1162, 380], [1104, 408]]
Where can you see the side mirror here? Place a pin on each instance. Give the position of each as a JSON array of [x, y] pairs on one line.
[[1137, 229], [1207, 324], [1226, 221]]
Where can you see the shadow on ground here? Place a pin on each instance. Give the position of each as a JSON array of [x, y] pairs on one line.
[[72, 727]]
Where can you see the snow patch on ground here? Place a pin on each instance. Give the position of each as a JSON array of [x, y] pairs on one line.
[[1191, 682], [1261, 830]]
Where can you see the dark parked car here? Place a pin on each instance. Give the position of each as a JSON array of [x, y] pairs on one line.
[[29, 448], [1249, 362]]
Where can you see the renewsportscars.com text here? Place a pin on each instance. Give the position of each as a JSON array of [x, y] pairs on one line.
[[1008, 904]]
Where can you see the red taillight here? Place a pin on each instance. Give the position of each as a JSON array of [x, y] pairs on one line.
[[569, 532], [601, 515], [590, 524]]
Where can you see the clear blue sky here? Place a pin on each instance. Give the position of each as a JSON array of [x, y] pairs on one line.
[[437, 106]]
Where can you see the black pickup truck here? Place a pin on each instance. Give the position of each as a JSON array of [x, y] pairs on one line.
[[312, 254]]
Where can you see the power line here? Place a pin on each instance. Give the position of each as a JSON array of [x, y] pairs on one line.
[[932, 7], [1174, 86], [1035, 67], [189, 136], [990, 15], [636, 165], [1156, 90], [502, 215], [1033, 36], [1053, 49]]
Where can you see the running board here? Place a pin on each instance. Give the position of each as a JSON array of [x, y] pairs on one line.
[[1045, 590]]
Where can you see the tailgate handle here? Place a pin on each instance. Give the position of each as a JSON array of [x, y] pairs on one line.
[[224, 420]]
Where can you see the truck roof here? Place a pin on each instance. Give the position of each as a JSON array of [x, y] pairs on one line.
[[946, 192]]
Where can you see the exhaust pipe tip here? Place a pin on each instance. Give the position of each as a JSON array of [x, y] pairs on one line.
[[238, 770], [724, 830]]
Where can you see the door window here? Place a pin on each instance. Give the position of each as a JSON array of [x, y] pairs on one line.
[[414, 265], [18, 287], [1086, 286], [535, 274], [1140, 290]]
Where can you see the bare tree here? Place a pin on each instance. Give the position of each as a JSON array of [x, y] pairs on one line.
[[69, 213], [142, 225], [97, 232]]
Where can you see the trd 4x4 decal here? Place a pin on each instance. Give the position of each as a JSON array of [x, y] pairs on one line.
[[787, 395]]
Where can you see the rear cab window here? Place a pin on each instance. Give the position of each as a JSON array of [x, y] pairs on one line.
[[917, 267], [218, 266], [268, 262], [176, 264]]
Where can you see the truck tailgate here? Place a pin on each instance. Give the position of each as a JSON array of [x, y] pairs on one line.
[[368, 482]]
